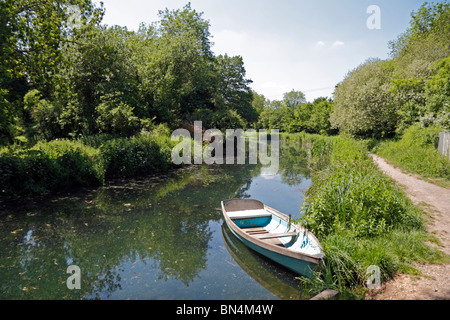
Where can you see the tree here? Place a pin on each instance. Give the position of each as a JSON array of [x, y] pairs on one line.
[[437, 94], [233, 91], [319, 122], [427, 38], [258, 102], [186, 21], [294, 98], [32, 33], [177, 70], [97, 70], [60, 79], [363, 103]]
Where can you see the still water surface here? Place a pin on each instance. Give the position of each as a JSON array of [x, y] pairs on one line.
[[158, 237]]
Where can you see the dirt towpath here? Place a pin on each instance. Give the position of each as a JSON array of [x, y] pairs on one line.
[[434, 282]]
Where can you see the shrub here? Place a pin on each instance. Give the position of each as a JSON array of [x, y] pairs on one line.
[[116, 117], [142, 154], [48, 166], [84, 162], [77, 163], [363, 103]]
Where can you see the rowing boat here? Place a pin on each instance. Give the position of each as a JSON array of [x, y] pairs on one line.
[[273, 234]]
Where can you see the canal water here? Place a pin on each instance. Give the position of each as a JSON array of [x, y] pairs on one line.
[[158, 237]]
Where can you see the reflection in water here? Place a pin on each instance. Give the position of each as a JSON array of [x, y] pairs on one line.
[[278, 280], [158, 237]]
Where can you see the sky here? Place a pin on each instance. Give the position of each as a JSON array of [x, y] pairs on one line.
[[287, 45]]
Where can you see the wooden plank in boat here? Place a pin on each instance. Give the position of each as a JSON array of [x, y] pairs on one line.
[[254, 231], [275, 235]]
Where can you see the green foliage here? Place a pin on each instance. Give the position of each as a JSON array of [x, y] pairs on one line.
[[130, 157], [233, 92], [186, 21], [100, 79], [294, 98], [48, 166], [31, 36], [363, 105], [33, 32], [44, 114], [142, 154], [382, 98], [116, 117], [416, 152], [88, 161], [437, 93], [352, 195], [427, 38], [258, 102], [293, 114], [360, 216]]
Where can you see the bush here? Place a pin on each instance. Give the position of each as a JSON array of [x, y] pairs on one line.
[[116, 117], [142, 154], [77, 163], [363, 104], [85, 162], [48, 166]]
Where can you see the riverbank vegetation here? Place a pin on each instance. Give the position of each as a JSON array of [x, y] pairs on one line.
[[87, 161], [360, 216], [416, 151], [403, 103], [395, 108]]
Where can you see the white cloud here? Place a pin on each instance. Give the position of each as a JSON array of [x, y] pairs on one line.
[[338, 43], [320, 43]]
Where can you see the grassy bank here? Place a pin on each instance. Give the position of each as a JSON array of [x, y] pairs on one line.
[[360, 216], [88, 161], [416, 152]]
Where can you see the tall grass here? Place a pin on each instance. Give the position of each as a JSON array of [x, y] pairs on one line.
[[360, 217], [416, 152]]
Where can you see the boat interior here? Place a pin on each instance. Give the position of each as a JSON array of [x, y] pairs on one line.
[[270, 228]]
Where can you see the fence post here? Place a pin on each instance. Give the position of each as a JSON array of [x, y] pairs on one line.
[[444, 143]]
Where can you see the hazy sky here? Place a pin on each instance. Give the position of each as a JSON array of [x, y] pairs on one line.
[[286, 44]]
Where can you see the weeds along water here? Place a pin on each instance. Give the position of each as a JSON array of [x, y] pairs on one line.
[[87, 161], [360, 216]]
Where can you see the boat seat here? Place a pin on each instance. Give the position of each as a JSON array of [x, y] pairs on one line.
[[248, 214], [275, 235]]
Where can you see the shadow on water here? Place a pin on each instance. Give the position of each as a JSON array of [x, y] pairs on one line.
[[156, 237], [276, 279]]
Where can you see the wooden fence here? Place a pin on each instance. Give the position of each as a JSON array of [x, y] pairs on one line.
[[444, 143]]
